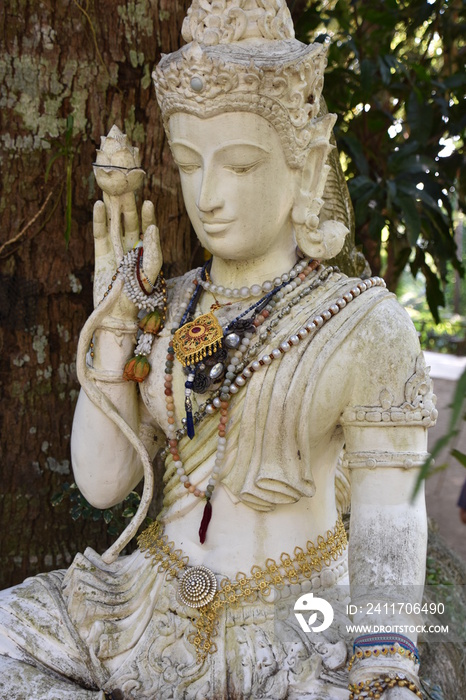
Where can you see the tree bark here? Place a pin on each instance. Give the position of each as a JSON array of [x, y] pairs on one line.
[[93, 61]]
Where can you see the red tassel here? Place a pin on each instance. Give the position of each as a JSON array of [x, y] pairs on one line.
[[205, 522]]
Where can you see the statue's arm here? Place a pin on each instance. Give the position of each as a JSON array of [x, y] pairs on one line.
[[386, 442], [105, 464]]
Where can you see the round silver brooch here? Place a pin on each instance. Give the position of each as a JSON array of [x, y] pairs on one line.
[[197, 587]]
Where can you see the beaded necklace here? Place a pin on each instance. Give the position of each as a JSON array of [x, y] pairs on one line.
[[255, 290], [238, 374], [234, 338]]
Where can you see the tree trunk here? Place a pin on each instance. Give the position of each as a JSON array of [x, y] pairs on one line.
[[93, 61]]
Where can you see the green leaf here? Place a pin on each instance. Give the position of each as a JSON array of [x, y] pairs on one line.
[[402, 258], [50, 163], [57, 498], [391, 192], [367, 72], [459, 399], [460, 456], [411, 218], [69, 203], [414, 164], [420, 116], [421, 72], [128, 512], [76, 512], [434, 293], [376, 224], [356, 151], [108, 515], [456, 80], [360, 186]]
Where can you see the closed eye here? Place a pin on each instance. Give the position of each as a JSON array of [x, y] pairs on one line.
[[242, 169], [188, 167]]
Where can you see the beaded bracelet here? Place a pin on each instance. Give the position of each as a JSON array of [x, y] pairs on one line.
[[134, 288], [365, 640], [374, 687], [384, 651]]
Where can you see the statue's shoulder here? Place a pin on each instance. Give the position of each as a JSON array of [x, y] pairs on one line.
[[370, 309], [383, 346], [387, 324]]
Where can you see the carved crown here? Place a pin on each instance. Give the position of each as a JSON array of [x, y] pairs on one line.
[[243, 57], [225, 21]]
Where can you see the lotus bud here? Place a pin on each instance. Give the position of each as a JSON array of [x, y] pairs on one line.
[[152, 323], [136, 369], [118, 164]]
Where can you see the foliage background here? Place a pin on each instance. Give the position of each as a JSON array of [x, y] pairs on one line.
[[397, 80]]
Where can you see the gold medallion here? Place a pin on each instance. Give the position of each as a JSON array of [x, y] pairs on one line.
[[197, 339]]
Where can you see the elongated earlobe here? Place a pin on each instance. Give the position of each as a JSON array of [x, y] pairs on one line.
[[321, 241]]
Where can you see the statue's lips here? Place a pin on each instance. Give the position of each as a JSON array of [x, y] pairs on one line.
[[216, 225]]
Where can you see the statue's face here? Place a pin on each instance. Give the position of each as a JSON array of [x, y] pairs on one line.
[[237, 186]]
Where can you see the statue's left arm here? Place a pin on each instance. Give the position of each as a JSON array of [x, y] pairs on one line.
[[385, 445]]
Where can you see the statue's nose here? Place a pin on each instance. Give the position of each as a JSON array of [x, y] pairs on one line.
[[209, 197]]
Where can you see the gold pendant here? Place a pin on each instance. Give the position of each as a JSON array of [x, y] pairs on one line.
[[197, 339]]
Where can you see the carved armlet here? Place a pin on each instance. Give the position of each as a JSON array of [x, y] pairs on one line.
[[417, 409]]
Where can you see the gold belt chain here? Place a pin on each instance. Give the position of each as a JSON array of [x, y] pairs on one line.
[[244, 588]]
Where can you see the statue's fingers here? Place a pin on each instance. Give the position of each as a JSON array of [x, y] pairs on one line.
[[148, 215], [131, 221], [104, 254], [101, 239], [152, 253]]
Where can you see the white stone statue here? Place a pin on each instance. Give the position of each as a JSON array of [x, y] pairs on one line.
[[278, 385]]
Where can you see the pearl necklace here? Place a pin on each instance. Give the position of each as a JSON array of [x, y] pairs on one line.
[[238, 375], [256, 290], [301, 270]]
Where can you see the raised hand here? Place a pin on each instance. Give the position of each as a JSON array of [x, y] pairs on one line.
[[109, 249], [116, 220]]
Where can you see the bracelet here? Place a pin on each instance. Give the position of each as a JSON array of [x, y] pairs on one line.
[[374, 687], [387, 640], [393, 649], [109, 376], [118, 325], [154, 302], [134, 289], [371, 460], [142, 277]]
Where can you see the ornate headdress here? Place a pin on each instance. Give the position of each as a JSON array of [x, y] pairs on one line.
[[242, 56]]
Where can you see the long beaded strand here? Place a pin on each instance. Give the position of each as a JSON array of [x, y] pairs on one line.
[[244, 374], [300, 271]]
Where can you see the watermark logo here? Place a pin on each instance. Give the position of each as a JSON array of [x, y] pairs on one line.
[[308, 603]]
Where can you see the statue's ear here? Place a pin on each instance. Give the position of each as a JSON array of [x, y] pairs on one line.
[[324, 241]]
